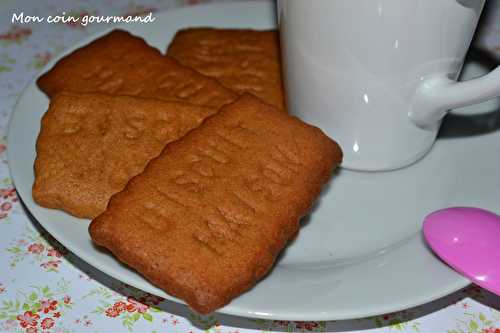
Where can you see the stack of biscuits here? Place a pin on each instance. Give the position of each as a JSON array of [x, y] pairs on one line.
[[187, 163]]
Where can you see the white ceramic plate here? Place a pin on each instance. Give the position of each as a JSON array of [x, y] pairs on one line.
[[359, 253]]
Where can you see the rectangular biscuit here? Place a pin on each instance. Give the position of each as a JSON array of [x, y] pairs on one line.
[[245, 61], [207, 218], [90, 145], [123, 64]]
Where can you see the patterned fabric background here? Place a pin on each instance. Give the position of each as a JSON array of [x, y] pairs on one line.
[[43, 288]]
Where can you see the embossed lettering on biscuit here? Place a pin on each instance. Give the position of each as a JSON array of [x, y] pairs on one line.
[[123, 64], [246, 61], [91, 145], [228, 196]]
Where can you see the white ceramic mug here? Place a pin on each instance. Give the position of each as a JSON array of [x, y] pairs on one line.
[[379, 75]]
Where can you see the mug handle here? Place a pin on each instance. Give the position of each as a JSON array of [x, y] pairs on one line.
[[436, 95]]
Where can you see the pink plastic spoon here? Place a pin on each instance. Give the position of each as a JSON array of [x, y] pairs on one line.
[[467, 239]]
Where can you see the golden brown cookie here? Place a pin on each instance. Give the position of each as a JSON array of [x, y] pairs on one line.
[[246, 61], [123, 64], [90, 145], [207, 218]]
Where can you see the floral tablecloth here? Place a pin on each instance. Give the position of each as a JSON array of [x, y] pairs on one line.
[[43, 288]]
